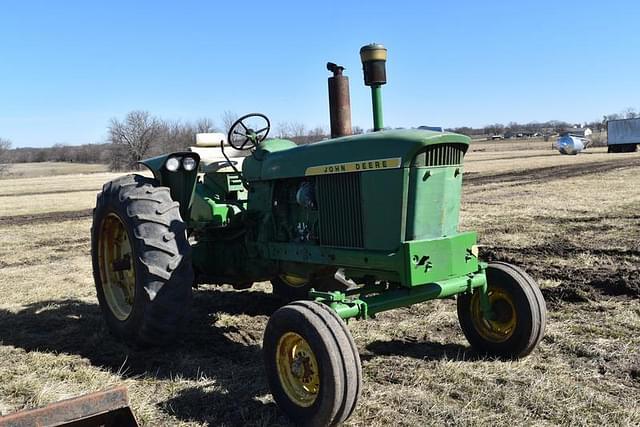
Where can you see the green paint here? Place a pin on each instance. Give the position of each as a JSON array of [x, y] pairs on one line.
[[369, 305], [269, 164], [254, 164], [433, 202], [376, 102], [427, 261], [383, 217], [218, 198], [397, 199], [414, 263], [181, 183]]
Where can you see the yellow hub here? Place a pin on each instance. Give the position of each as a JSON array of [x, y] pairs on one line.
[[293, 280], [297, 369], [501, 327], [117, 271]]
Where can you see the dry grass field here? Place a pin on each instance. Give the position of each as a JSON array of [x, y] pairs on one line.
[[573, 222], [30, 170]]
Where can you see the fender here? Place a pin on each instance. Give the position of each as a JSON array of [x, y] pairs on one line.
[[181, 182]]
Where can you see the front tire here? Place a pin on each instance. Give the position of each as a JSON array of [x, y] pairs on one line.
[[519, 314], [141, 261], [313, 366]]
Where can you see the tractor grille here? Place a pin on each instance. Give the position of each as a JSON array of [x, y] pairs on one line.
[[340, 210], [440, 155]]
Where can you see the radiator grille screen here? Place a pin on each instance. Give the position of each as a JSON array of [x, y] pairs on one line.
[[340, 210], [441, 155]]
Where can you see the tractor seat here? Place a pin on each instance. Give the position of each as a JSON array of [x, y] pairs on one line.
[[211, 158]]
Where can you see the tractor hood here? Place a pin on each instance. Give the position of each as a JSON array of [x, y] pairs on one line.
[[277, 159]]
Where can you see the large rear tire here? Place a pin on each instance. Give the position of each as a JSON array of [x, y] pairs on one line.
[[141, 261], [313, 366], [519, 314], [290, 288]]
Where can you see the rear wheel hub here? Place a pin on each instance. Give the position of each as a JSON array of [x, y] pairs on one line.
[[116, 269]]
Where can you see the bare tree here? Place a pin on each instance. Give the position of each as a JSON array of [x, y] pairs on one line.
[[630, 113], [291, 130], [494, 129], [298, 133], [136, 134], [205, 125], [5, 146], [316, 134], [228, 118], [178, 136]]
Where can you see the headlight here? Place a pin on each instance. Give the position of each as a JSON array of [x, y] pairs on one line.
[[189, 163], [172, 164]]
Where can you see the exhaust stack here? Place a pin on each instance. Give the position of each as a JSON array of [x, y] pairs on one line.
[[374, 58], [339, 102]]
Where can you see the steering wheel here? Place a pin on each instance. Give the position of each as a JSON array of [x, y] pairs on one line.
[[243, 134]]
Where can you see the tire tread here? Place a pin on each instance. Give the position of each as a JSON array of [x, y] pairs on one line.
[[163, 265]]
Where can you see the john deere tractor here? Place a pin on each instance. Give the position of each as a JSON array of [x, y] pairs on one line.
[[343, 229]]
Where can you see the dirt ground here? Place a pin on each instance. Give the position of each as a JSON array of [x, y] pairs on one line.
[[573, 222]]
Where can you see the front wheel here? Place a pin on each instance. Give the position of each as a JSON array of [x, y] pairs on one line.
[[141, 261], [312, 363], [518, 318]]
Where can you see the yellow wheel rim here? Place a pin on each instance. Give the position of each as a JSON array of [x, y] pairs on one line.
[[117, 271], [297, 369], [293, 280], [501, 327]]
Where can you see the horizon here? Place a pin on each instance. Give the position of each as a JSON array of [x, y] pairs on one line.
[[474, 136], [70, 69]]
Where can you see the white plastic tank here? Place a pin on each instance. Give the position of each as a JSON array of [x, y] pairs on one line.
[[570, 144]]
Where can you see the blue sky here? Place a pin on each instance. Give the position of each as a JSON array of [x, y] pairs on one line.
[[67, 67]]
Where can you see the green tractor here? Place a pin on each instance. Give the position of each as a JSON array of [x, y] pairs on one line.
[[343, 229]]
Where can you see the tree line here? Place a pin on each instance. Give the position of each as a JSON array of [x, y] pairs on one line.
[[140, 134], [551, 126], [5, 146], [543, 128]]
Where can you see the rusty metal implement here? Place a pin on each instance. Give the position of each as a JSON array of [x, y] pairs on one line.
[[108, 408]]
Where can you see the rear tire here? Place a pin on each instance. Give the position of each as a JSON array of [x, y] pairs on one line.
[[519, 309], [293, 288], [290, 290], [313, 366], [141, 261]]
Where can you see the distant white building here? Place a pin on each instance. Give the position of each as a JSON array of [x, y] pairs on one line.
[[578, 132]]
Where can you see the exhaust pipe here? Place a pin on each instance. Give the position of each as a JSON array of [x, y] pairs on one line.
[[339, 102]]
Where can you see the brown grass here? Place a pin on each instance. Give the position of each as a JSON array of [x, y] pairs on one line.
[[30, 170], [576, 231]]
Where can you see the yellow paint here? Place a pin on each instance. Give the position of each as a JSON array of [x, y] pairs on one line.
[[119, 286], [298, 369], [500, 328], [362, 166], [293, 280], [375, 54]]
